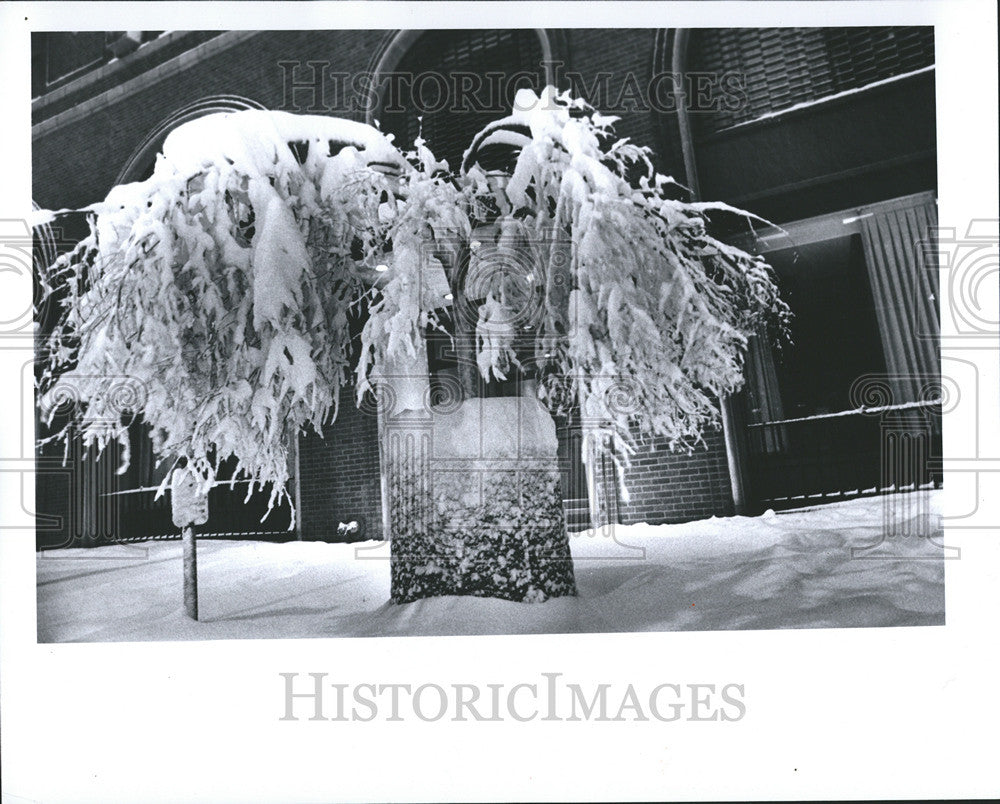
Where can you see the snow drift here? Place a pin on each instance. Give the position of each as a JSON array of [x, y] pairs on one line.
[[863, 563]]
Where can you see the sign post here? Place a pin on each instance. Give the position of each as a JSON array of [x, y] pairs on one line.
[[188, 508], [190, 572]]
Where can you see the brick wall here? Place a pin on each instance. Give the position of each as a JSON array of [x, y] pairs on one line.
[[77, 163], [666, 486], [340, 474], [628, 55]]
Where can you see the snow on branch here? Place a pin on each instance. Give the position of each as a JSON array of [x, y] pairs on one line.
[[222, 285], [655, 325]]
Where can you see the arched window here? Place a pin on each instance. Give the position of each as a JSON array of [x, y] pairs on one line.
[[782, 67], [447, 85]]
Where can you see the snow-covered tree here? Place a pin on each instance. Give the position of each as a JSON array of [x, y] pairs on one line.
[[223, 285]]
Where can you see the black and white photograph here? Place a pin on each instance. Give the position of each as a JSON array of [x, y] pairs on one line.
[[418, 322], [515, 335]]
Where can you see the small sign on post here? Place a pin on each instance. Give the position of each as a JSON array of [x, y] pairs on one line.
[[188, 508]]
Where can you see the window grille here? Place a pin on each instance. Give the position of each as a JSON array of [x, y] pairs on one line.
[[503, 60], [782, 67]]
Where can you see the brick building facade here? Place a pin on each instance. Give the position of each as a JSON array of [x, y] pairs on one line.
[[817, 130]]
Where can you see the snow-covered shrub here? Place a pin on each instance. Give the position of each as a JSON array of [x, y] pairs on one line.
[[221, 285], [654, 327]]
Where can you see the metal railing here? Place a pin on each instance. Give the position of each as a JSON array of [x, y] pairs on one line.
[[799, 461]]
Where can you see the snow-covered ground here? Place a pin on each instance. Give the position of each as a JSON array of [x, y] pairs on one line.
[[838, 565]]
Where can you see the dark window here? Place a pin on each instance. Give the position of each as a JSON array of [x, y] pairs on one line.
[[447, 87], [835, 335], [800, 439], [452, 83], [67, 53]]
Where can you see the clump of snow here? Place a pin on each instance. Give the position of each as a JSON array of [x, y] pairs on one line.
[[494, 339], [863, 563], [255, 140], [427, 236]]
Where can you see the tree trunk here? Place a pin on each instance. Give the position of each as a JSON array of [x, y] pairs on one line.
[[475, 504], [474, 492]]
